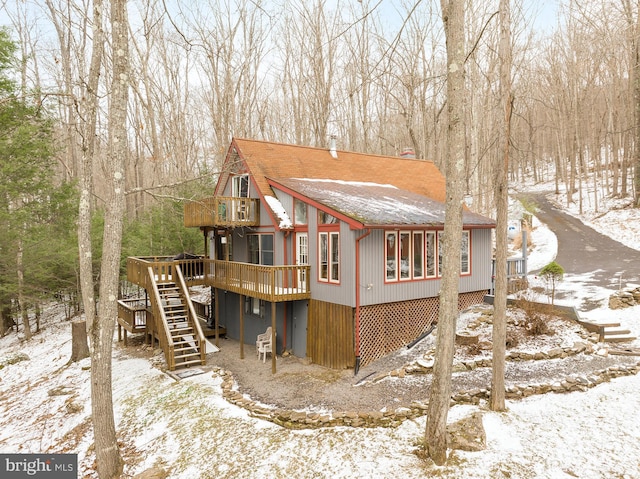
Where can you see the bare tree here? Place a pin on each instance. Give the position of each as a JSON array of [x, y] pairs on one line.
[[440, 394], [501, 181], [632, 14], [108, 456]]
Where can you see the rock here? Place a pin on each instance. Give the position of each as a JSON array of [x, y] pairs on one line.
[[468, 434], [425, 363], [555, 352], [153, 473], [466, 338]]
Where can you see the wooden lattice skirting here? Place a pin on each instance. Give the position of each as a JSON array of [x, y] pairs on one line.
[[385, 328]]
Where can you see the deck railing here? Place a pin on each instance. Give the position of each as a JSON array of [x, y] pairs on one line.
[[271, 283], [223, 211], [160, 329], [192, 317], [133, 313], [516, 274], [164, 270]]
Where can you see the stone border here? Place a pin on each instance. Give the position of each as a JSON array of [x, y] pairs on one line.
[[292, 419], [426, 366]]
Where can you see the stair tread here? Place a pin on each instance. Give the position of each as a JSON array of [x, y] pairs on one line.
[[619, 338], [615, 332], [179, 336], [605, 324], [187, 355], [188, 363]]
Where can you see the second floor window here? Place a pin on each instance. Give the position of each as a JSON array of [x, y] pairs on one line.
[[300, 212], [240, 186], [329, 252], [260, 249]]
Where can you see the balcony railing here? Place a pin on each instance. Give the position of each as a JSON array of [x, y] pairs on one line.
[[222, 211], [271, 283]]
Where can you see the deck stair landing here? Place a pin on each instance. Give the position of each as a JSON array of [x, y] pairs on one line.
[[186, 347]]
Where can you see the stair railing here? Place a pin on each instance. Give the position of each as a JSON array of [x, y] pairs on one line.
[[164, 336], [192, 316]]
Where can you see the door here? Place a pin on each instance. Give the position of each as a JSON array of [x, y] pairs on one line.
[[302, 258], [299, 336]]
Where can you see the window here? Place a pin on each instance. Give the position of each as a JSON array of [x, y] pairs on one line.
[[260, 249], [240, 186], [405, 255], [431, 253], [335, 257], [440, 252], [326, 218], [418, 254], [300, 212], [465, 263], [254, 306], [329, 268], [391, 255], [465, 253], [324, 256]]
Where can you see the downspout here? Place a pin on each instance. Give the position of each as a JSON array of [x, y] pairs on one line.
[[284, 319], [357, 368]]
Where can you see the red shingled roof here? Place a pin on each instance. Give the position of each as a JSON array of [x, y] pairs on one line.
[[278, 160]]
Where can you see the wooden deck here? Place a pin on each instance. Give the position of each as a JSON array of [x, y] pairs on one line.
[[270, 283], [222, 212]]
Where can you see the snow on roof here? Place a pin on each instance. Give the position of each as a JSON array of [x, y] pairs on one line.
[[375, 204], [284, 222], [343, 182]]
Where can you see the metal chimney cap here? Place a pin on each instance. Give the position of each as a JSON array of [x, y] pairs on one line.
[[332, 146]]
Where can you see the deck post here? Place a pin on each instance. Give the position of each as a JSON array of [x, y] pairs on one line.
[[273, 337], [241, 326], [217, 314]]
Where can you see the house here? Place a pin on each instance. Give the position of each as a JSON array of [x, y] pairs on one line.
[[339, 252]]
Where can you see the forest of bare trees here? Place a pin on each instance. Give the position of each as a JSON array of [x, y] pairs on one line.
[[145, 96], [370, 72]]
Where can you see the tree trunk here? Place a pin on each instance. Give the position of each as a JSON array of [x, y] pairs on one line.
[[497, 398], [79, 343], [440, 394], [636, 100], [109, 462], [87, 285], [22, 306]]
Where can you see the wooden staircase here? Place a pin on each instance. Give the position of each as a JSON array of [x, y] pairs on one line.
[[186, 350], [610, 332], [613, 333], [175, 322]]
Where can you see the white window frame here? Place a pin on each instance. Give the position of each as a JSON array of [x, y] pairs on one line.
[[406, 270], [329, 256], [391, 263]]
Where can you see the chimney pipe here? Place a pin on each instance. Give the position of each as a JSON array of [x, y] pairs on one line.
[[332, 146], [408, 153]]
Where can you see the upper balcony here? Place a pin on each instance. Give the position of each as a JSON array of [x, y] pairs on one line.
[[221, 211]]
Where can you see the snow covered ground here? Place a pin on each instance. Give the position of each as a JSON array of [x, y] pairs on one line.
[[187, 428]]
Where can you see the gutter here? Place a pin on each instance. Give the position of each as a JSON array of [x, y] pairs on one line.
[[357, 368]]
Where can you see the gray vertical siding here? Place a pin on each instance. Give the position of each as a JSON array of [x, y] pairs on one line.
[[343, 293], [373, 289]]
